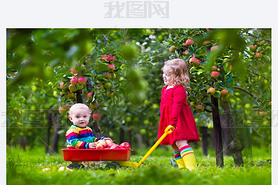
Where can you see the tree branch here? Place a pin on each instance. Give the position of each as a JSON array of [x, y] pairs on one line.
[[248, 92]]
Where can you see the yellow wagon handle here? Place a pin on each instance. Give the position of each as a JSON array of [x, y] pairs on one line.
[[167, 131]]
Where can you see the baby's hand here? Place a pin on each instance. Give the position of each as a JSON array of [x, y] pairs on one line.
[[92, 145]]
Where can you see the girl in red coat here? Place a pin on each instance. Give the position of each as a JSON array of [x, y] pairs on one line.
[[175, 111]]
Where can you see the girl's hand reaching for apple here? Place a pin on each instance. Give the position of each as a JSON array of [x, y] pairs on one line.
[[92, 145]]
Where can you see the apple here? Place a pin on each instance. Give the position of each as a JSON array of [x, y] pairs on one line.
[[72, 87], [71, 95], [187, 52], [115, 146], [172, 49], [211, 90], [110, 145], [73, 81], [260, 43], [206, 42], [100, 146], [214, 74], [110, 94], [108, 141], [111, 67], [62, 110], [125, 145], [253, 48], [199, 108], [214, 68], [62, 168], [224, 92], [262, 113], [191, 103], [194, 61], [96, 116], [73, 71], [81, 80], [143, 131], [214, 48], [46, 169], [108, 85], [110, 58], [188, 42], [102, 142], [258, 55], [103, 58], [62, 85], [100, 86], [108, 75], [90, 95], [94, 105]]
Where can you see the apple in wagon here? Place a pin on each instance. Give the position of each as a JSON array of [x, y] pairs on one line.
[[125, 145], [108, 140]]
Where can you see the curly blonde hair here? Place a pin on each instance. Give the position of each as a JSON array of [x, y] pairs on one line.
[[179, 70]]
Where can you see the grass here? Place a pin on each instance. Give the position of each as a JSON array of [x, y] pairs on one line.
[[26, 168]]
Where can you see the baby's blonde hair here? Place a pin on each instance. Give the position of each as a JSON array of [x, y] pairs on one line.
[[78, 106], [177, 68]]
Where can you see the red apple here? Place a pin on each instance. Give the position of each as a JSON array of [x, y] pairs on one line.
[[73, 81], [206, 42], [94, 105], [253, 48], [211, 91], [62, 85], [125, 145], [102, 142], [262, 113], [187, 52], [108, 140], [73, 71], [96, 116], [172, 49], [214, 68], [90, 95], [199, 108], [111, 67], [115, 146], [260, 43], [224, 92], [100, 146], [62, 110], [81, 80], [191, 103], [110, 145], [188, 42], [214, 48], [103, 58], [194, 61], [110, 58], [258, 55], [214, 74], [108, 75], [100, 86]]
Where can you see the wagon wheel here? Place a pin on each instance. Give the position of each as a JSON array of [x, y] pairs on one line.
[[112, 165], [75, 166]]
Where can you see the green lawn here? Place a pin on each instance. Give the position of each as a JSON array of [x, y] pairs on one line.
[[26, 168]]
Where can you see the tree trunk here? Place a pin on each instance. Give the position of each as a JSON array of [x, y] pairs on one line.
[[79, 98], [235, 145], [48, 133], [225, 136], [217, 132], [204, 131], [23, 142], [55, 136], [97, 128], [122, 135]]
